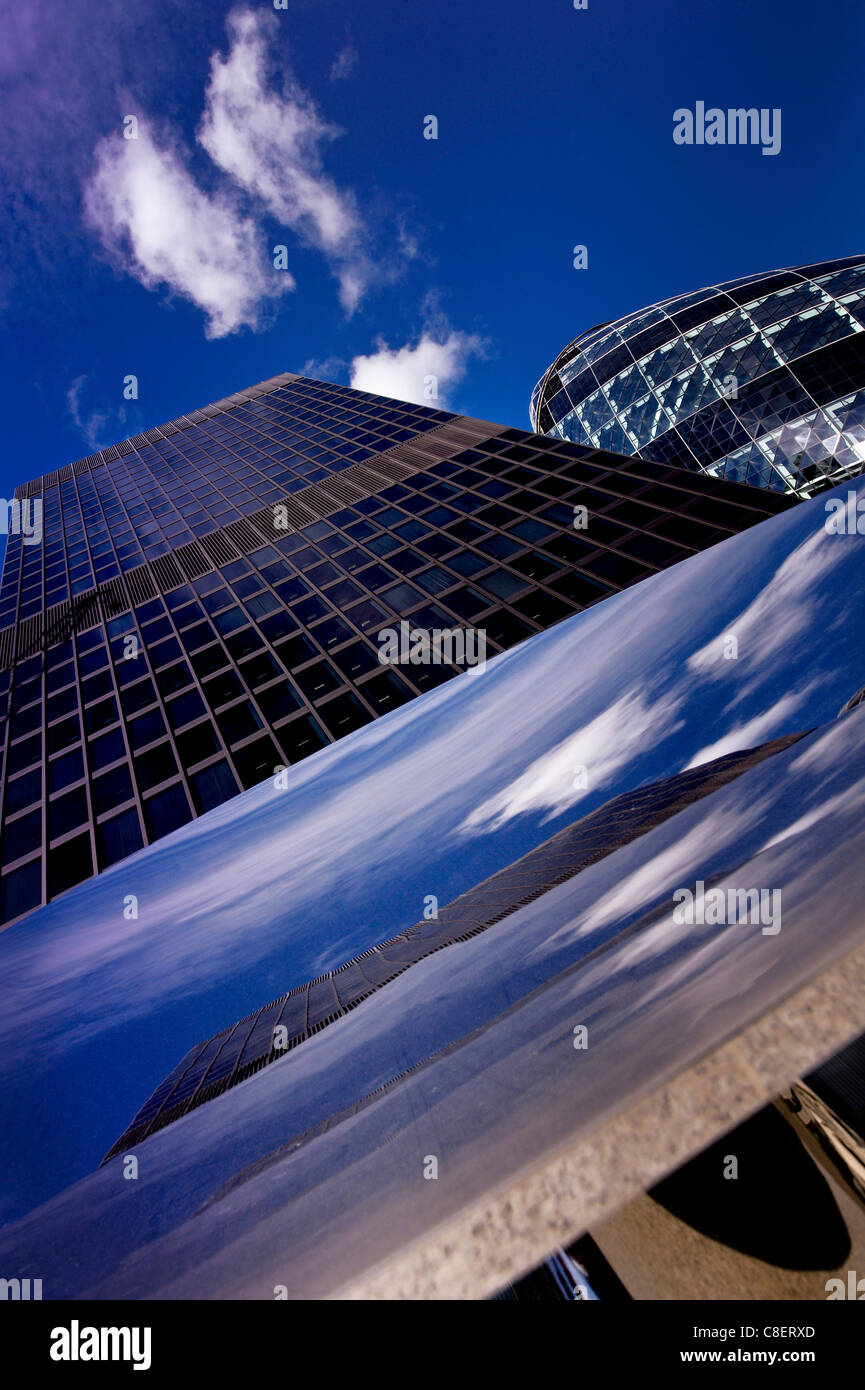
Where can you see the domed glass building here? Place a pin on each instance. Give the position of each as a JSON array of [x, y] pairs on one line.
[[760, 380]]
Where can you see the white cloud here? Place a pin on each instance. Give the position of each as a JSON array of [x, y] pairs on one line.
[[270, 144], [406, 372], [608, 742], [781, 611], [753, 731], [99, 423], [152, 216], [345, 62], [91, 425], [673, 866]]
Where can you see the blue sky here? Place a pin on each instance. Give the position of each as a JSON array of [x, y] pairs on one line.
[[304, 128]]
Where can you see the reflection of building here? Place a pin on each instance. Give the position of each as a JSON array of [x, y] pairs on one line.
[[761, 380], [279, 1026], [206, 602]]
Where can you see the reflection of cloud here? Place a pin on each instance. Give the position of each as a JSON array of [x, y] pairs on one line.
[[754, 731], [674, 867], [851, 799], [775, 619], [613, 738]]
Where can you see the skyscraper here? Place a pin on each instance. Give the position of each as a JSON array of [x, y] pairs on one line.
[[760, 380], [200, 605]]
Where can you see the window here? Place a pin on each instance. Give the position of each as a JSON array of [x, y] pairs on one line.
[[111, 789], [174, 678], [64, 703], [20, 891], [230, 620], [26, 721], [278, 701], [212, 786], [197, 743], [318, 680], [55, 680], [205, 662], [62, 772], [24, 791], [146, 729], [261, 668], [164, 652], [356, 660], [296, 650], [278, 625], [60, 736], [67, 812], [93, 661], [193, 638], [22, 836], [118, 837], [256, 761], [155, 766], [185, 708], [241, 644], [69, 864], [344, 713], [21, 755], [166, 811], [220, 689], [96, 686], [386, 691], [100, 716], [238, 722], [300, 737]]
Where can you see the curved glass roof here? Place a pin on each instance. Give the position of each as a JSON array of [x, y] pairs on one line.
[[760, 379]]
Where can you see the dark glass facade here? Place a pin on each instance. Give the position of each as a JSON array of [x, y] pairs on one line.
[[205, 602], [760, 380]]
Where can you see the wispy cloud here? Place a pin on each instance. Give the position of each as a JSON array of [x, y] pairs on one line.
[[778, 615], [754, 731], [271, 143], [203, 237], [164, 229], [602, 746], [345, 61], [95, 424]]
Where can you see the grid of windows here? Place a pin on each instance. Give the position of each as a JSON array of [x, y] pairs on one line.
[[760, 380], [158, 495], [137, 721]]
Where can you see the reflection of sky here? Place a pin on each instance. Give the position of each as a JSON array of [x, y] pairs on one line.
[[278, 886], [234, 1198]]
